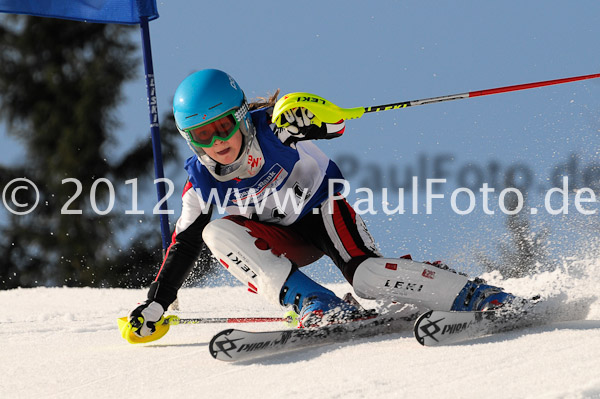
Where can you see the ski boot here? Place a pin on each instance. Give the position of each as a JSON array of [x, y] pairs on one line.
[[316, 305], [477, 295]]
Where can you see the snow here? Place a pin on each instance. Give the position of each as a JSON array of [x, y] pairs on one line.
[[64, 342]]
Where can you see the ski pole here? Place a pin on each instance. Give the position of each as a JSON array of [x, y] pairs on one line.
[[162, 328], [328, 112], [172, 320]]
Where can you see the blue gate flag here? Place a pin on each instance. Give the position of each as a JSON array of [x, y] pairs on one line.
[[128, 12]]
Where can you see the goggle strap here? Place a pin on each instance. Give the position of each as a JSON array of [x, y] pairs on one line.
[[240, 114]]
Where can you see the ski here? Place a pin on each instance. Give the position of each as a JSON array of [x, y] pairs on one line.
[[234, 345], [442, 328], [436, 328]]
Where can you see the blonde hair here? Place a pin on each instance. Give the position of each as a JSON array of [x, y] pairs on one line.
[[264, 102]]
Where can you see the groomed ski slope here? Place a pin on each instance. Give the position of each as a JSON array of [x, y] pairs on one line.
[[64, 342]]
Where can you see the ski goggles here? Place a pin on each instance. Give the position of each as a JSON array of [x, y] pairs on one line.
[[223, 128]]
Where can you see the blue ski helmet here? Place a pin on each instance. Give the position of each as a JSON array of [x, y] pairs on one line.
[[205, 95], [208, 95]]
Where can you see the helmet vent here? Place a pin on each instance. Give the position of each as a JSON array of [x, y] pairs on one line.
[[215, 106], [191, 116]]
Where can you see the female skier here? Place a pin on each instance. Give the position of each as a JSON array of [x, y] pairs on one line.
[[279, 191]]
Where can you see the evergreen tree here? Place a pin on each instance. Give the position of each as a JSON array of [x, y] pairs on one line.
[[60, 83]]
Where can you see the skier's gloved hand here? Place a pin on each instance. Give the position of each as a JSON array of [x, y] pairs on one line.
[[299, 120], [303, 125], [143, 319]]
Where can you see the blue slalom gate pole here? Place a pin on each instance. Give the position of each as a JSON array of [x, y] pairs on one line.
[[155, 132]]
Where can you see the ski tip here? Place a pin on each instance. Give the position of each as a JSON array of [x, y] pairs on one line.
[[220, 345], [419, 331]]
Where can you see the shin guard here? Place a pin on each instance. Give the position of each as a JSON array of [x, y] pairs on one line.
[[407, 281], [260, 270]]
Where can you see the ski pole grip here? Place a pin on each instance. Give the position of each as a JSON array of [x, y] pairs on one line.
[[324, 110]]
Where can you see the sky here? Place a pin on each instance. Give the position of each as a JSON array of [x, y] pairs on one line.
[[370, 53]]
